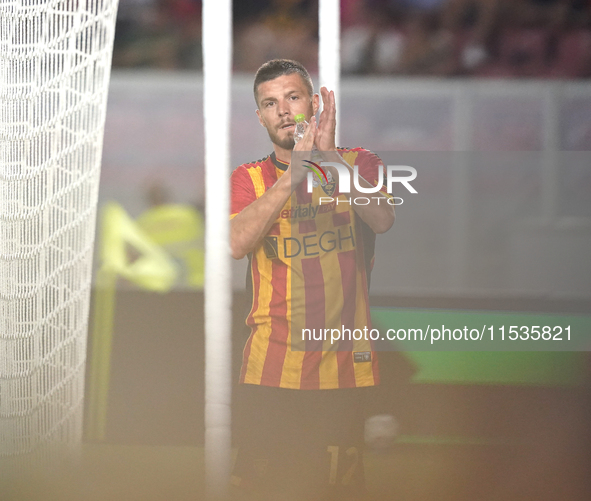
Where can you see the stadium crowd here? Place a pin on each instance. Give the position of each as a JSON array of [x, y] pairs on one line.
[[494, 38]]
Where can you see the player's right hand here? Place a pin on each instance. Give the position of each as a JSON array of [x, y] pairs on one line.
[[302, 151]]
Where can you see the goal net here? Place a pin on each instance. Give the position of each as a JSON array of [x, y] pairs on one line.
[[55, 58]]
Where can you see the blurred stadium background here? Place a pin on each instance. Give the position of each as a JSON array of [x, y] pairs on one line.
[[424, 78]]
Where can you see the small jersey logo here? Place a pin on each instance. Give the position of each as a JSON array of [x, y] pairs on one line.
[[270, 246], [361, 356], [318, 181], [328, 187]]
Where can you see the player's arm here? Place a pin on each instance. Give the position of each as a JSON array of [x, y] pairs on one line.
[[378, 213], [251, 224]]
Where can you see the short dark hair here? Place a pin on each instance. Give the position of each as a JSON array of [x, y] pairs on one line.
[[278, 67]]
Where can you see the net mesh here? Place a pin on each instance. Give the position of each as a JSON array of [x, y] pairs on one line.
[[55, 59]]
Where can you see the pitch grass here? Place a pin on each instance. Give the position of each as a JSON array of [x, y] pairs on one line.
[[442, 470]]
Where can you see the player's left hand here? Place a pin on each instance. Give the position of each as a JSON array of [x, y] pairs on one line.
[[325, 136]]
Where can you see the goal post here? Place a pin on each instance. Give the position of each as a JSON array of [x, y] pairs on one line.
[[329, 51], [217, 74], [55, 61]]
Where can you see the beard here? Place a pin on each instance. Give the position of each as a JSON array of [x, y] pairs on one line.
[[285, 142]]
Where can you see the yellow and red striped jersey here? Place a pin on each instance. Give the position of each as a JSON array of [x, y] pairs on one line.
[[310, 272]]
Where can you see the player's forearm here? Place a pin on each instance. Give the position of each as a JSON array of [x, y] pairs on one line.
[[249, 227], [378, 213]]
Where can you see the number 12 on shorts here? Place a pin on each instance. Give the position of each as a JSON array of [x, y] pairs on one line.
[[352, 456]]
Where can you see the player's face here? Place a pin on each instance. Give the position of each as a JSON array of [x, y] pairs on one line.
[[280, 100]]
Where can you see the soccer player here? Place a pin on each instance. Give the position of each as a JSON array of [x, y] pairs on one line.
[[309, 361]]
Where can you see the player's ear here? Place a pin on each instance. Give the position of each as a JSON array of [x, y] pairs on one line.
[[315, 103], [261, 121]]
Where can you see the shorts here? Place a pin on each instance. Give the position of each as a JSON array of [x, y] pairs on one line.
[[300, 444]]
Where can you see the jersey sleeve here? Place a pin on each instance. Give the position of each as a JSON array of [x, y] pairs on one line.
[[242, 191], [369, 169]]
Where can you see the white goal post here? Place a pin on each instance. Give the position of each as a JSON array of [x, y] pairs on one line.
[[217, 56]]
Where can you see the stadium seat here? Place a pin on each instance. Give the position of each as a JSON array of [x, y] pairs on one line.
[[522, 53], [573, 55]]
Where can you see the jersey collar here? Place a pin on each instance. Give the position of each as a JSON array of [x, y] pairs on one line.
[[280, 164]]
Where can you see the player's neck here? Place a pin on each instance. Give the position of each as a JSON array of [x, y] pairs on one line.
[[282, 154]]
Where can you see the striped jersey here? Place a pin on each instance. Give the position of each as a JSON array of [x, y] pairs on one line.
[[309, 277]]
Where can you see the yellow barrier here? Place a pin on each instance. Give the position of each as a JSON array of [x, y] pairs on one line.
[[134, 250]]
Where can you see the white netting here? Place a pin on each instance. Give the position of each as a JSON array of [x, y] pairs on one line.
[[55, 58]]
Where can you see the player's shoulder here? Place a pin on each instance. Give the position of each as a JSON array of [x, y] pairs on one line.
[[261, 162], [358, 153], [357, 149], [243, 173]]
